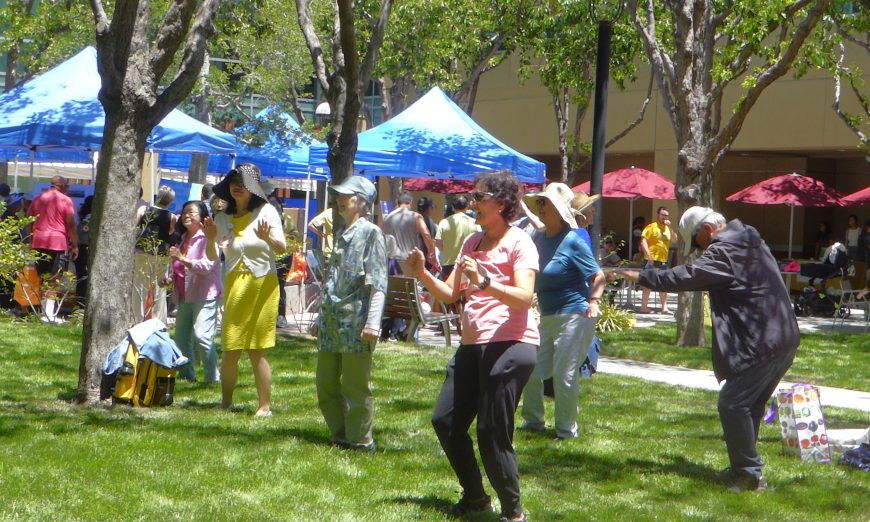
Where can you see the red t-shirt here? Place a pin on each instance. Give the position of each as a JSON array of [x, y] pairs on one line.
[[51, 209]]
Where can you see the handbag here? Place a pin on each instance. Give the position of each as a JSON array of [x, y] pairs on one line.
[[804, 431]]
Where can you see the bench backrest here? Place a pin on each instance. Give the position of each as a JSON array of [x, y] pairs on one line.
[[402, 300]]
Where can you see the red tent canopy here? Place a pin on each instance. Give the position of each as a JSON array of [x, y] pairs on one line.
[[449, 186], [633, 183], [862, 197]]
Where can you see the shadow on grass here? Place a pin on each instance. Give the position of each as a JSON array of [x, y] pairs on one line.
[[441, 506]]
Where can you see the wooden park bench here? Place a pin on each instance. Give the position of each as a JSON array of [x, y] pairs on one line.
[[403, 302]]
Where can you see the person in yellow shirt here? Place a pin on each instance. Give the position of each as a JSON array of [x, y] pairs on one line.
[[655, 245], [321, 226]]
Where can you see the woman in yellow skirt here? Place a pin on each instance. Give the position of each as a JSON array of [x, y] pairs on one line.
[[250, 235]]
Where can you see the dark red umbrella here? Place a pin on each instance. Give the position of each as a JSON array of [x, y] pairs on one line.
[[862, 197], [450, 186], [793, 190], [633, 183]]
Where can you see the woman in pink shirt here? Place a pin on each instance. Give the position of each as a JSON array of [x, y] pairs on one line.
[[198, 285], [486, 376]]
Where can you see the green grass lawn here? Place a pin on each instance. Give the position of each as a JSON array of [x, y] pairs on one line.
[[647, 452], [830, 359]]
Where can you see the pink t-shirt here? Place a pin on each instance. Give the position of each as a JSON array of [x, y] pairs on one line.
[[486, 319], [49, 230]]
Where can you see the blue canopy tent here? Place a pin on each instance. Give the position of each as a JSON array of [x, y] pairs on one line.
[[57, 116], [275, 158], [433, 138]]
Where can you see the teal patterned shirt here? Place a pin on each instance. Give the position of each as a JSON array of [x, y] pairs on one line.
[[357, 267]]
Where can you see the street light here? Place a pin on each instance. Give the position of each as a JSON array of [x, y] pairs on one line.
[[603, 12]]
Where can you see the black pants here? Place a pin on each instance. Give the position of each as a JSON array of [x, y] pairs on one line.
[[742, 402], [81, 264], [484, 380]]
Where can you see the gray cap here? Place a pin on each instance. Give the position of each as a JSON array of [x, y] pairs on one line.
[[689, 223], [356, 185]]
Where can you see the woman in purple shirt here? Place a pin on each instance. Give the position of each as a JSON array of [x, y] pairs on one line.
[[198, 286]]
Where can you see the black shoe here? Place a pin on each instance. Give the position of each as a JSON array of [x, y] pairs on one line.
[[371, 447], [725, 476], [744, 482], [466, 506], [509, 519]]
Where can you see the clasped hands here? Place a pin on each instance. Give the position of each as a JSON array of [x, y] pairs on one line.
[[466, 265]]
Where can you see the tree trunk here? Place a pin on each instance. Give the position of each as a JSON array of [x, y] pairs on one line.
[[119, 174], [695, 188], [560, 106], [11, 68]]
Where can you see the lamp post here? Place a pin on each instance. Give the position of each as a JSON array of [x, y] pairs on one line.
[[603, 12]]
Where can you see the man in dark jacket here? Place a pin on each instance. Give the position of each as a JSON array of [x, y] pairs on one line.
[[755, 333]]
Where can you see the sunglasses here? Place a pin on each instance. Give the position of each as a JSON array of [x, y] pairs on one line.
[[480, 196]]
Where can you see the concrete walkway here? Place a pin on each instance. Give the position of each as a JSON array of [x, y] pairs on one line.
[[676, 376], [704, 379]]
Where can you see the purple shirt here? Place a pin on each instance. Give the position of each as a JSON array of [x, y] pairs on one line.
[[202, 280]]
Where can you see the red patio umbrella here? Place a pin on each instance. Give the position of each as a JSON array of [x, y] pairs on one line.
[[862, 197], [633, 183], [793, 190]]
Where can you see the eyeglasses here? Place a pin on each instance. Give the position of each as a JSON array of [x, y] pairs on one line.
[[480, 196], [191, 211]]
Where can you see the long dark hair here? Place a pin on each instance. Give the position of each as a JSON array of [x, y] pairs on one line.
[[203, 213]]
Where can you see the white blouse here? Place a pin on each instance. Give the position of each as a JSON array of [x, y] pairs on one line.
[[256, 253]]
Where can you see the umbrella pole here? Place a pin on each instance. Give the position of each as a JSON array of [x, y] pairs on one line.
[[630, 229], [790, 228], [32, 159]]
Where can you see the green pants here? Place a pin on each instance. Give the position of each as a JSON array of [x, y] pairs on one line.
[[345, 397]]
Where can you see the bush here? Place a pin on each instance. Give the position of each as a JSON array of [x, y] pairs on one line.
[[613, 318]]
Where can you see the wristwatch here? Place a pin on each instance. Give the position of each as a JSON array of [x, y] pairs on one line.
[[484, 284]]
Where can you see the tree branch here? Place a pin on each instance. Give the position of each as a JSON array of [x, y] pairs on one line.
[[313, 42], [865, 104], [374, 47], [171, 32], [191, 61], [662, 66], [732, 127]]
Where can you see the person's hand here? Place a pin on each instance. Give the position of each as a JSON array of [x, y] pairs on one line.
[[370, 334], [262, 230], [468, 266], [593, 310], [209, 228], [649, 264], [416, 262], [174, 252], [75, 252], [630, 274]]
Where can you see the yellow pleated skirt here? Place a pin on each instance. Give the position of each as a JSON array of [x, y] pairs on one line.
[[250, 311]]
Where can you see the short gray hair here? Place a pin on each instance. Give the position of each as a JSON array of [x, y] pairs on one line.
[[165, 196]]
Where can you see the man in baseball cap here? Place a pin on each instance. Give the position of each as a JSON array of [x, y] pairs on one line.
[[755, 333]]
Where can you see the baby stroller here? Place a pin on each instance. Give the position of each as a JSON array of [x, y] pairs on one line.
[[819, 302]]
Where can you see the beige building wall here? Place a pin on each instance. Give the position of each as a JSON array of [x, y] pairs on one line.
[[792, 128]]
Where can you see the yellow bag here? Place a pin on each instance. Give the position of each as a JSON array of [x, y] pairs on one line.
[[143, 383]]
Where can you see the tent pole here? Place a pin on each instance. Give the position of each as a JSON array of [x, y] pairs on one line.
[[93, 166], [303, 299], [790, 228], [15, 175], [32, 159]]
